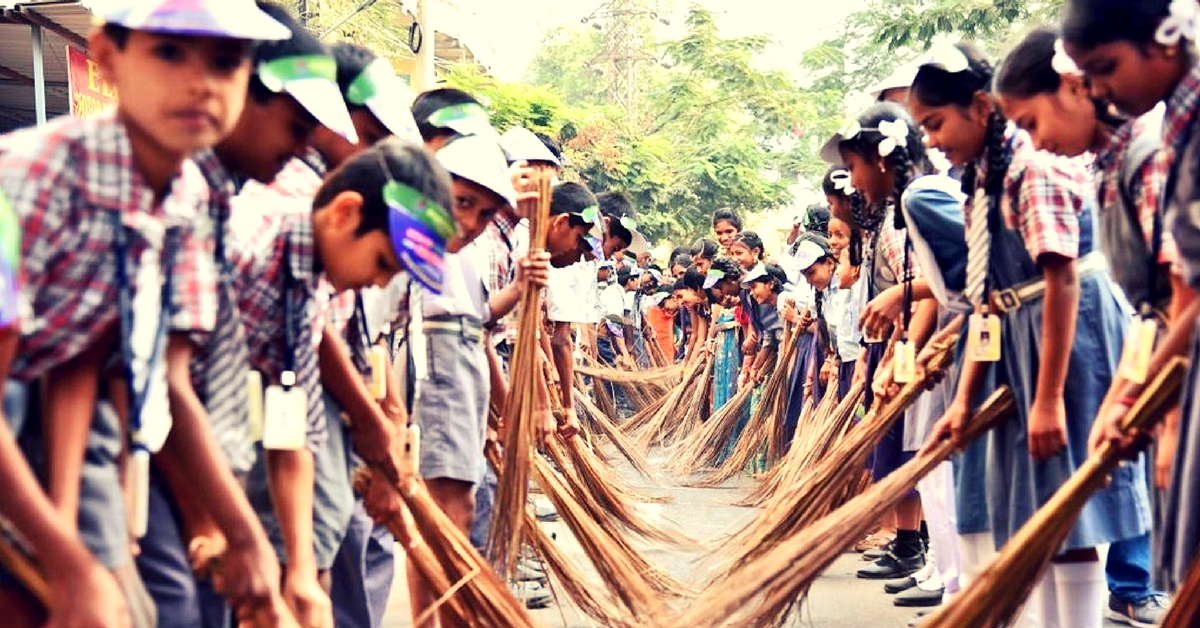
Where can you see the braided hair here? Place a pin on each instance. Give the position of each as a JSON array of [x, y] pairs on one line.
[[906, 161]]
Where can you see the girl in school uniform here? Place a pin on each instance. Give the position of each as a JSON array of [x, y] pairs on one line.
[[1047, 323], [1043, 91], [1136, 55]]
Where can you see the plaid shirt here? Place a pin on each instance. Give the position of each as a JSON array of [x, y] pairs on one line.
[[257, 258], [1147, 183], [66, 181], [500, 247], [1043, 197], [194, 288]]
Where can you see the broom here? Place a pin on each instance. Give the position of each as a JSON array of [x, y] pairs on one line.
[[668, 414], [669, 375], [621, 572], [566, 574], [595, 419], [996, 597], [754, 435], [824, 428], [694, 410], [20, 566], [639, 420], [761, 593], [827, 484], [588, 472], [703, 447], [415, 549], [521, 407], [1185, 608]]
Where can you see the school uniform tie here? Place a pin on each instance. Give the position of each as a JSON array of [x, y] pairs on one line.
[[979, 244]]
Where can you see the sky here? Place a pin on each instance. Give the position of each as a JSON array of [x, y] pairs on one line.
[[510, 31]]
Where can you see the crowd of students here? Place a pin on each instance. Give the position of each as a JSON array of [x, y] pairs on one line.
[[255, 276]]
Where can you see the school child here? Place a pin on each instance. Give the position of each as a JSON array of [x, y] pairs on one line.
[[660, 316], [723, 279], [726, 224], [704, 251], [845, 308], [1031, 214], [1043, 91], [764, 283], [695, 308], [818, 266], [208, 353], [89, 195], [888, 163]]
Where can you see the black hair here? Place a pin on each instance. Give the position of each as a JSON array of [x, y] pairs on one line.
[[301, 43], [727, 215], [906, 162], [692, 279], [816, 218], [406, 163], [828, 186], [683, 259], [678, 252], [667, 287], [775, 275], [624, 275], [1028, 70], [654, 266], [1090, 23], [751, 240], [117, 33], [428, 103], [705, 248], [936, 87], [629, 255], [551, 145], [352, 59], [571, 198], [615, 206], [732, 269]]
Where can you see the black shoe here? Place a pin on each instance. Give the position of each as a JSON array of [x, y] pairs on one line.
[[893, 587], [917, 596], [891, 567], [526, 572]]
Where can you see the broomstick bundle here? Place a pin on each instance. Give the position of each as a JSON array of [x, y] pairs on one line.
[[815, 437], [754, 436], [996, 597], [833, 479], [521, 407], [596, 422], [664, 378], [19, 565], [693, 412], [669, 415], [703, 447], [762, 592]]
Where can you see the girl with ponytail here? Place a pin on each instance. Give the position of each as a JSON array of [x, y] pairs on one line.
[[1136, 55], [1035, 281]]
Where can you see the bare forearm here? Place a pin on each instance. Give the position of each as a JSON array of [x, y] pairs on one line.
[[504, 301], [290, 475], [923, 323], [1058, 325], [343, 381], [67, 421], [564, 362]]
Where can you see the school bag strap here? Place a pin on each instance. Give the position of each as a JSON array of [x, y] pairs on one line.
[[1142, 148]]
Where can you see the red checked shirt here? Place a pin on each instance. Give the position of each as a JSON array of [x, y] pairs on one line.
[[1044, 197], [67, 181], [1147, 183], [259, 259]]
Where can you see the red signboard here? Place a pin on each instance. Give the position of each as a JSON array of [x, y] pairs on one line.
[[90, 92]]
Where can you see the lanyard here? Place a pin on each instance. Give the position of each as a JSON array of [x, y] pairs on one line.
[[289, 324], [138, 390], [361, 312]]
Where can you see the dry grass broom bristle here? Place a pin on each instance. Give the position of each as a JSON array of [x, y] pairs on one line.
[[593, 418], [524, 401], [995, 598], [829, 482], [761, 593], [668, 376], [668, 414], [703, 447]]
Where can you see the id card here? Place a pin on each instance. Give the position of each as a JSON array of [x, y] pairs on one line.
[[904, 360], [411, 460], [286, 418], [139, 483], [378, 359], [1139, 347], [254, 404], [872, 340], [983, 338]]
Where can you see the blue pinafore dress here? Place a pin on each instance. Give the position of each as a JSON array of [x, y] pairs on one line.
[[1016, 485]]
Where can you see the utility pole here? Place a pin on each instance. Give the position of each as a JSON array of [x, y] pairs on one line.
[[302, 11], [624, 22], [425, 75]]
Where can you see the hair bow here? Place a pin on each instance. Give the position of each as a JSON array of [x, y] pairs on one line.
[[1180, 23], [1062, 63], [948, 58], [850, 130], [895, 135], [841, 181]]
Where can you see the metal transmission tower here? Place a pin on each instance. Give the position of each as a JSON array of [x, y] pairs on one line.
[[625, 23]]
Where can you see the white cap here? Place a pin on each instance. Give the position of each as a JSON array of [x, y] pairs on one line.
[[520, 144], [901, 78], [808, 253], [478, 159], [312, 81]]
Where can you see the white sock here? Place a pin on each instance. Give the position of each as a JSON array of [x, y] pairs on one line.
[[975, 552], [932, 583], [1082, 591], [926, 572], [1041, 609]]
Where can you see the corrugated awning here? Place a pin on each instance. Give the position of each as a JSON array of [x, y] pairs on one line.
[[62, 23]]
